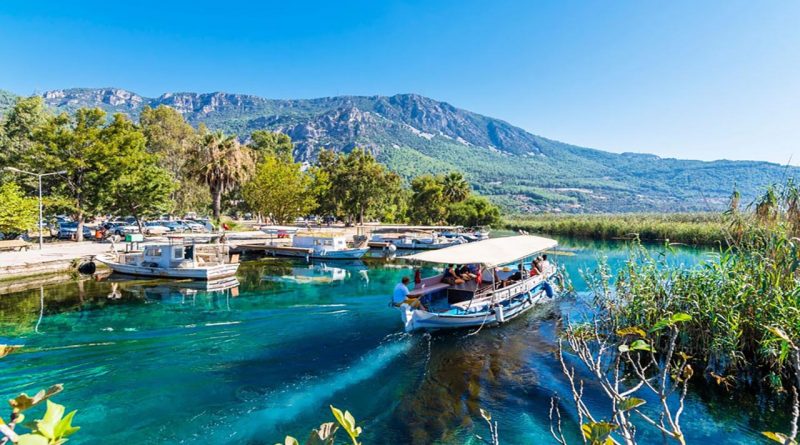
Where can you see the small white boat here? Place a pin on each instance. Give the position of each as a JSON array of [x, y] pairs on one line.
[[317, 245], [415, 241], [174, 260], [489, 299]]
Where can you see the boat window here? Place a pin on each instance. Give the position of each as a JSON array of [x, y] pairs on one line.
[[154, 251], [177, 253]]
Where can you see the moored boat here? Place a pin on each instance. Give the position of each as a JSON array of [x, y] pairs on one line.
[[174, 260], [414, 240], [493, 295]]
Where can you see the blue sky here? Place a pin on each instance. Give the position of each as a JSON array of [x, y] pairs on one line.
[[701, 80]]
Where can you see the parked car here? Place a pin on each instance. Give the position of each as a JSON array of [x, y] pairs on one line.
[[194, 226], [155, 228], [67, 230], [120, 228], [176, 226]]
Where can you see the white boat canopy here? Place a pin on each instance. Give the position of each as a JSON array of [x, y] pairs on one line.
[[490, 253]]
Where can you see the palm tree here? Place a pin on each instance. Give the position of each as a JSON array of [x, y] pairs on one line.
[[221, 163], [456, 188]]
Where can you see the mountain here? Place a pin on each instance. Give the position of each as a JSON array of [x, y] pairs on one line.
[[413, 134]]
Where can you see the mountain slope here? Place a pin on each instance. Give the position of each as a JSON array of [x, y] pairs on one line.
[[413, 134]]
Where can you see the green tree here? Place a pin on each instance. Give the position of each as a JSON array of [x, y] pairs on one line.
[[140, 187], [473, 211], [279, 189], [359, 185], [456, 188], [266, 143], [91, 153], [221, 163], [19, 127], [428, 203], [18, 212], [172, 139]]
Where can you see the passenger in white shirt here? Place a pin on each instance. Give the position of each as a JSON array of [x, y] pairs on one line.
[[544, 265], [400, 295]]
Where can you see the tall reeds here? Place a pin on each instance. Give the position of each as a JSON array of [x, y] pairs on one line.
[[688, 228]]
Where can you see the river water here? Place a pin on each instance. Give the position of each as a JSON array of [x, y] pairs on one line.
[[149, 361]]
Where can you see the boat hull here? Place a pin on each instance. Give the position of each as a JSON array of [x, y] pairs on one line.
[[349, 254], [200, 273], [517, 304]]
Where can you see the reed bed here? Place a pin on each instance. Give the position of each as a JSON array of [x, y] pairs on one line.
[[688, 228], [738, 300]]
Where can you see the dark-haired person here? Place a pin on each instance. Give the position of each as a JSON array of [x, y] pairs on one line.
[[544, 265], [400, 295]]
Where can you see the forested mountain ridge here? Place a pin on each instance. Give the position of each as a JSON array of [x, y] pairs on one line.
[[413, 134]]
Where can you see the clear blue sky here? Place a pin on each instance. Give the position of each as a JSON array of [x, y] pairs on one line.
[[692, 79]]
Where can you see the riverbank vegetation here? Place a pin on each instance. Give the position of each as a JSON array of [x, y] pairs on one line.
[[737, 313], [688, 228], [111, 165]]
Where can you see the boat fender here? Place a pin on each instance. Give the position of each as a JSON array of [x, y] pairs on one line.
[[87, 268], [500, 316], [548, 289]]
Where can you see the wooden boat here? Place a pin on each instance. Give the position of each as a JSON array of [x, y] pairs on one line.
[[493, 297], [174, 260], [312, 245], [414, 241]]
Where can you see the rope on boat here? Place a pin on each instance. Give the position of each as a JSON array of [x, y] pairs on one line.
[[481, 326]]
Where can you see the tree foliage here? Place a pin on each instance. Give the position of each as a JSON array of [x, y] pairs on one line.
[[221, 163], [172, 140], [353, 186], [279, 190], [18, 212], [266, 143]]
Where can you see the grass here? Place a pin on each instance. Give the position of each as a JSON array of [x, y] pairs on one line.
[[688, 228]]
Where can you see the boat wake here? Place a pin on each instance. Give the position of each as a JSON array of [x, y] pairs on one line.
[[283, 406]]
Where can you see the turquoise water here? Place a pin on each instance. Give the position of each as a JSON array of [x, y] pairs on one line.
[[159, 362]]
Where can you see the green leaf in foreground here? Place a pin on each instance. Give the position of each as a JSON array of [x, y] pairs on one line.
[[631, 403], [778, 437]]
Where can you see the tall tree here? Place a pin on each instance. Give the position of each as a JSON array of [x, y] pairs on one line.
[[171, 138], [473, 211], [75, 144], [92, 153], [428, 203], [266, 143], [221, 163], [279, 189], [140, 187], [18, 131], [456, 188]]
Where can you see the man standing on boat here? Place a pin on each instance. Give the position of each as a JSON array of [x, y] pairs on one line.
[[401, 295]]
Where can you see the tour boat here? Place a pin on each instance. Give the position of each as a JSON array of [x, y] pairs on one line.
[[174, 260], [489, 299]]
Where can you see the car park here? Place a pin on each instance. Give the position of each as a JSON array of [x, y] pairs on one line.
[[120, 228], [155, 228], [68, 230]]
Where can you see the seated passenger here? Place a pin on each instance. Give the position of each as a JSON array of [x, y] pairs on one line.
[[400, 295], [464, 273], [516, 276], [535, 270], [450, 276], [544, 265]]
